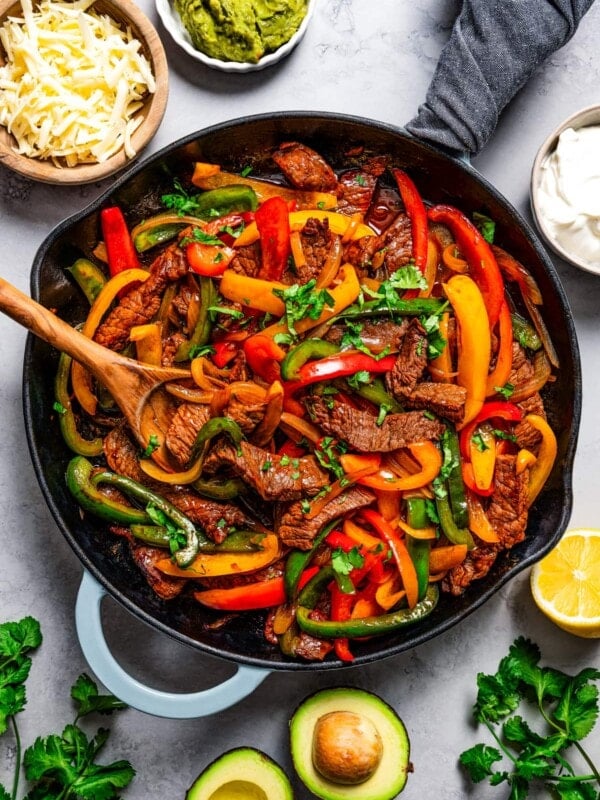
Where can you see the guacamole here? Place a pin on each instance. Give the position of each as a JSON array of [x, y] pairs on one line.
[[240, 30]]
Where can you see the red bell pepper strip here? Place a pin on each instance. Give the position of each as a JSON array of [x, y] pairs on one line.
[[210, 260], [341, 610], [120, 250], [404, 562], [263, 357], [291, 449], [417, 213], [339, 366], [273, 223], [478, 254], [263, 594], [495, 408], [225, 351]]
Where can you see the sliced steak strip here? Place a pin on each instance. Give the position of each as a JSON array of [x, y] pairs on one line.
[[317, 240], [360, 430], [507, 513], [265, 472], [296, 530], [121, 455], [304, 168], [528, 436], [357, 186], [375, 334], [444, 399], [166, 587], [395, 243], [411, 361], [247, 260], [142, 302], [181, 434]]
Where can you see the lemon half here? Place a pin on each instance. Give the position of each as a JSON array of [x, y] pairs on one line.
[[566, 583]]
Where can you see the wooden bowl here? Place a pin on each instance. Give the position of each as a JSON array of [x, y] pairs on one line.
[[125, 13]]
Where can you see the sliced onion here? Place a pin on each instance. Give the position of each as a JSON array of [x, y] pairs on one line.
[[542, 372], [515, 271], [297, 428], [331, 265], [542, 331]]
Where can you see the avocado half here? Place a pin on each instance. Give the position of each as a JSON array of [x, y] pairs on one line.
[[389, 777], [242, 774]]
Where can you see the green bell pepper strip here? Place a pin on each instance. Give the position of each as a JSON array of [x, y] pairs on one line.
[[201, 333], [79, 483], [88, 277], [376, 393], [83, 485], [66, 418], [352, 628], [402, 308], [236, 542], [298, 561], [418, 549], [215, 427], [525, 333], [226, 199], [455, 482], [220, 489], [151, 237], [308, 350], [194, 538], [452, 532]]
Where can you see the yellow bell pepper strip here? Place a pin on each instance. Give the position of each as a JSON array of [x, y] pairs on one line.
[[390, 593], [441, 559], [210, 176], [479, 255], [80, 377], [474, 341], [404, 562], [148, 342], [66, 418], [482, 451], [429, 459], [252, 292], [545, 458], [500, 374], [525, 460], [342, 295], [251, 596], [440, 367], [213, 565], [338, 223]]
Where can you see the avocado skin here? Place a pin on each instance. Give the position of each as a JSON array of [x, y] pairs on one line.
[[245, 766], [390, 777]]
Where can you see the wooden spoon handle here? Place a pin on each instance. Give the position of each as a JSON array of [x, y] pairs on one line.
[[53, 330]]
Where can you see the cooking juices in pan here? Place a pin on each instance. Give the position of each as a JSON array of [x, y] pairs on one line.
[[362, 430]]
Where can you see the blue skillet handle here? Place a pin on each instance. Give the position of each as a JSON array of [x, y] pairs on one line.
[[131, 691]]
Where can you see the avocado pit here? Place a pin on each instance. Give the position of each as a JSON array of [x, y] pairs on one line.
[[347, 747]]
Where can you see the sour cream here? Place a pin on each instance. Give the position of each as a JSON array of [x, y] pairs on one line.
[[569, 194]]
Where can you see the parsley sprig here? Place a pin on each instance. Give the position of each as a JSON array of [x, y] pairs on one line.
[[568, 710], [59, 766]]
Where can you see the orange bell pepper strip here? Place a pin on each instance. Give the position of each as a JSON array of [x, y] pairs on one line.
[[430, 460], [80, 377], [444, 558], [440, 367], [482, 453], [404, 562], [478, 254], [212, 565], [263, 357], [545, 458], [250, 596], [390, 593], [474, 341], [501, 371], [359, 535], [252, 292], [479, 524]]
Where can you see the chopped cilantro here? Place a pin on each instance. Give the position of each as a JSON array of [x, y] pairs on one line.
[[153, 444], [360, 180], [305, 506], [303, 302], [246, 171], [59, 408], [285, 460], [180, 201], [359, 378], [343, 562], [202, 237], [485, 226], [479, 442], [266, 466], [506, 391], [201, 350]]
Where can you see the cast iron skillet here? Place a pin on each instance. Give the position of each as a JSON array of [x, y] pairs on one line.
[[235, 145]]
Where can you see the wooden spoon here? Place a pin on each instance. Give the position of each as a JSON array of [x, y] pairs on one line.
[[135, 387]]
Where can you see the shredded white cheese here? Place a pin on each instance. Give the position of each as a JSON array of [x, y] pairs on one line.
[[72, 83]]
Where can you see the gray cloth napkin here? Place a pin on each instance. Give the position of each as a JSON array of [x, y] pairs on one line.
[[494, 47]]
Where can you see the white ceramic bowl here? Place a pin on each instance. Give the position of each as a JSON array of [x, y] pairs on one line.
[[172, 22], [581, 119]]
